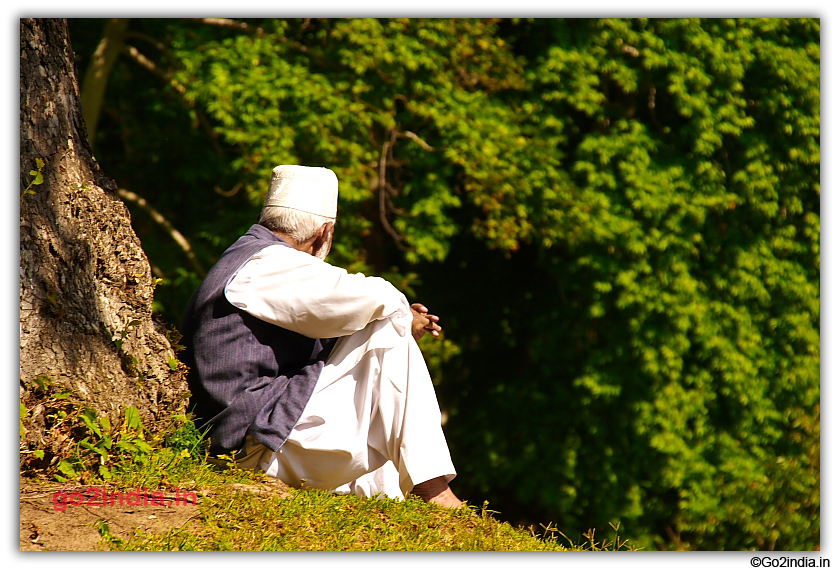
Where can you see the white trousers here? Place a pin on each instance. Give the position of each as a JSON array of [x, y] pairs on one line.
[[372, 426]]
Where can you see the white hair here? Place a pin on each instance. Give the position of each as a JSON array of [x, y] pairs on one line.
[[300, 226]]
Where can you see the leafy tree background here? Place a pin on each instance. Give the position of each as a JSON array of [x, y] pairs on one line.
[[617, 219]]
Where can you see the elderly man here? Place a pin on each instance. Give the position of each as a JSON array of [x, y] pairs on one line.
[[308, 372]]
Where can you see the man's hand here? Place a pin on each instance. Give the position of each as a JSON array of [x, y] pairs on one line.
[[423, 322]]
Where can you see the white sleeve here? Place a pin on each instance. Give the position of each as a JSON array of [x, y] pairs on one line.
[[299, 292]]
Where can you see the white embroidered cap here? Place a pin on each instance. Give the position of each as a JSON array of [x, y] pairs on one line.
[[309, 189]]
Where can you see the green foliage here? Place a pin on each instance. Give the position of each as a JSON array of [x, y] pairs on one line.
[[37, 180], [104, 446], [364, 97], [701, 265], [83, 445], [113, 542], [617, 219]]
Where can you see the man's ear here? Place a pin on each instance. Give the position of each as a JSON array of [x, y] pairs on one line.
[[326, 232], [324, 235]]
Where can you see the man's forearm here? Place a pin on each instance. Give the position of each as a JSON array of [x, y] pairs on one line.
[[297, 292]]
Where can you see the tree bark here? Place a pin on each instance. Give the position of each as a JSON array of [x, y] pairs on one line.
[[86, 286]]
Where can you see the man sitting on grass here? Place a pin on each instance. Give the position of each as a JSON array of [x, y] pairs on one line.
[[308, 372]]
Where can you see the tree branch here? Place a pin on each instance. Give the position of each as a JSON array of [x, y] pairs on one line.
[[415, 138], [229, 193], [230, 24], [148, 39], [149, 65], [170, 229], [383, 185], [145, 62]]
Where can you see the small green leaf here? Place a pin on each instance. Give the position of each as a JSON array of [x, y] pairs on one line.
[[66, 467], [132, 418], [102, 452], [88, 416], [42, 381], [104, 528]]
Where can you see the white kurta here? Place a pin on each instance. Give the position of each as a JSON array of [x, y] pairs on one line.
[[372, 425]]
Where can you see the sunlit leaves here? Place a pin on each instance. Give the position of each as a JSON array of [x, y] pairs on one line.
[[696, 212], [627, 215]]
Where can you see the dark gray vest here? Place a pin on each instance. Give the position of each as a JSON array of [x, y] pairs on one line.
[[246, 376]]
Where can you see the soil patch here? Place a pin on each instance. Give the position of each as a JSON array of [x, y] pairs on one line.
[[70, 517]]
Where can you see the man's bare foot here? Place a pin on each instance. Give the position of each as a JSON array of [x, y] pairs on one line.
[[437, 491]]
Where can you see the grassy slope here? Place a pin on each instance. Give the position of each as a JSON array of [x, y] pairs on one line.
[[239, 510], [314, 520], [235, 517]]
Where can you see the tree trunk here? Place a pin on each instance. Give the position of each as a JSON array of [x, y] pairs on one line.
[[86, 287], [99, 70]]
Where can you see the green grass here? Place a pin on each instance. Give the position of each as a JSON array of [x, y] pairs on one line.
[[233, 519], [234, 511], [316, 520]]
